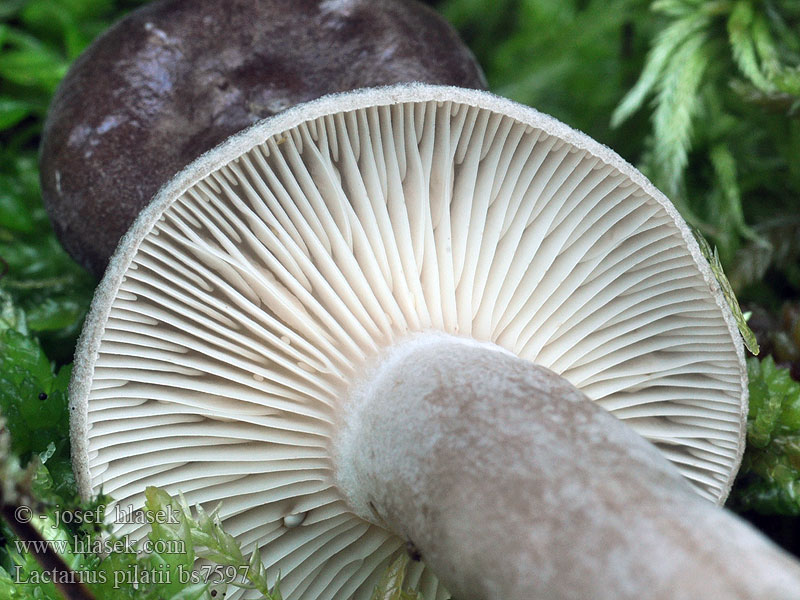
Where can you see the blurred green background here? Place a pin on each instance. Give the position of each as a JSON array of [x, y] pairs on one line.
[[701, 95]]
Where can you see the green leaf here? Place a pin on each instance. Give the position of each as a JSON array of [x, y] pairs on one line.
[[11, 317], [769, 480], [724, 165], [53, 291], [674, 8], [33, 400], [9, 8], [664, 49], [55, 21], [787, 80], [19, 198], [677, 103], [711, 256], [43, 281], [32, 397], [391, 584], [85, 9], [38, 68], [193, 592], [13, 110], [743, 45]]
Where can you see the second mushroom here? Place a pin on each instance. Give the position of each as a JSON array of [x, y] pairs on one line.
[[428, 315]]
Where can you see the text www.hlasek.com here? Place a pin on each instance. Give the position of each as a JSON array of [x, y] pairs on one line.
[[101, 546]]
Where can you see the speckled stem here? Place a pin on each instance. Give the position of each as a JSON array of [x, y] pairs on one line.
[[513, 485]]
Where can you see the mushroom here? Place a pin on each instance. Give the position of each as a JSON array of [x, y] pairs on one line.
[[176, 77], [428, 317]]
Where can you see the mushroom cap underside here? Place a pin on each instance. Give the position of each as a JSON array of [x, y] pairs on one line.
[[259, 282]]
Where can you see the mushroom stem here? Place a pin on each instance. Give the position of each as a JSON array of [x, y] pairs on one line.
[[512, 484]]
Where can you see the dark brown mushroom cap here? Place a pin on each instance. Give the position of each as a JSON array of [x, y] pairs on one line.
[[176, 77]]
